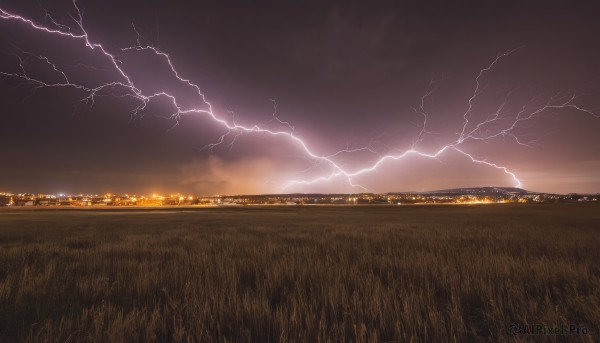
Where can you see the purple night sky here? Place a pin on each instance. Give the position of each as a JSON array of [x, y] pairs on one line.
[[311, 96]]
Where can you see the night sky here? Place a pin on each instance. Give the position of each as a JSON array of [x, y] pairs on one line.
[[345, 74]]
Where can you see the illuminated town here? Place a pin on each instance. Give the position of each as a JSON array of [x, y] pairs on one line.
[[483, 195]]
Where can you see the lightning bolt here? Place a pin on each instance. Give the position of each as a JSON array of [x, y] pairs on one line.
[[498, 124]]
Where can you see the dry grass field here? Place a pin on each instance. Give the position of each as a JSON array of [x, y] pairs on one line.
[[299, 274]]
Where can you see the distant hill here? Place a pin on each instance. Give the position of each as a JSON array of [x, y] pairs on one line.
[[454, 191], [479, 191]]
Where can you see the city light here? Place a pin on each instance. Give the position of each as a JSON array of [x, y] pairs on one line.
[[462, 196]]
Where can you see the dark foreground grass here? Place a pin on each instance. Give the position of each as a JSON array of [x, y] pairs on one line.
[[299, 274]]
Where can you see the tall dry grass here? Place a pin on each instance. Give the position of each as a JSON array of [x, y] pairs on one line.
[[307, 274]]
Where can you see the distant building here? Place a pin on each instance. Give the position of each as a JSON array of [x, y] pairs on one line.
[[46, 201], [6, 200]]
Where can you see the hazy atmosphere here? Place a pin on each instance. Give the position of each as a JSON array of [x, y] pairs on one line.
[[298, 96]]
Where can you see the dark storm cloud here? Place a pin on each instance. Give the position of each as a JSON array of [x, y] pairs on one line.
[[342, 72]]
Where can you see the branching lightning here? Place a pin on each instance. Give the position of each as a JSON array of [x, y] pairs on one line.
[[498, 124]]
